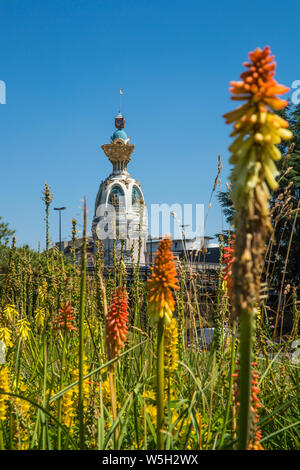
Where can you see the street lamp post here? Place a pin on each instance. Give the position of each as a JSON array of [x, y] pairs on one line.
[[59, 209], [151, 249]]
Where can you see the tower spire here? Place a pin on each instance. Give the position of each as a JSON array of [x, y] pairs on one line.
[[120, 210], [119, 150]]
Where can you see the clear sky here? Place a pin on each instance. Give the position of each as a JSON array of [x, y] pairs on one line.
[[64, 61]]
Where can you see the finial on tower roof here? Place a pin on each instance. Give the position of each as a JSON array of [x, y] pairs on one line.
[[121, 93], [119, 121]]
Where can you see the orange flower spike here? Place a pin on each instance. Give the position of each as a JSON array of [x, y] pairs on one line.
[[258, 81], [257, 129], [116, 323], [160, 285], [65, 319], [228, 260]]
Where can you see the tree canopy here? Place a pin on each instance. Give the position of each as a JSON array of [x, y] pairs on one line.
[[5, 232]]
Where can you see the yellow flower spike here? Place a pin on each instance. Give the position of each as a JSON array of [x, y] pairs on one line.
[[68, 408], [4, 386], [105, 390], [5, 336], [40, 315], [23, 328], [10, 312], [171, 343], [43, 292], [86, 383]]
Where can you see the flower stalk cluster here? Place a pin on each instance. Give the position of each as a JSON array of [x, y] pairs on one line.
[[116, 323], [23, 328], [4, 387], [228, 260], [257, 131], [64, 321], [163, 280], [161, 305], [171, 345]]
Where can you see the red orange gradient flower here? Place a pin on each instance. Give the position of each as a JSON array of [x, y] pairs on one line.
[[228, 260], [116, 323], [163, 280], [66, 318], [257, 130]]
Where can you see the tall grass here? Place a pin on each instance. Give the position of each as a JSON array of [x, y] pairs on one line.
[[200, 410]]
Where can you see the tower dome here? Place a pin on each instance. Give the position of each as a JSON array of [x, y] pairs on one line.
[[120, 210], [121, 136]]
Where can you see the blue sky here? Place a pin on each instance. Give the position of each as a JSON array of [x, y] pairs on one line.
[[64, 61]]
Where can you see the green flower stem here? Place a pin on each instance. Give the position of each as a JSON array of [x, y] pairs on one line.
[[112, 386], [81, 345], [1, 439], [246, 338], [160, 384], [47, 197], [229, 399], [74, 231], [42, 415], [61, 387]]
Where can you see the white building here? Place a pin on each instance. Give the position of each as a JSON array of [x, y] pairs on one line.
[[120, 210], [120, 217], [199, 251]]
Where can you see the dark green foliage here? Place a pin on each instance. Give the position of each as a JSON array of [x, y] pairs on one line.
[[289, 168], [226, 202], [5, 232]]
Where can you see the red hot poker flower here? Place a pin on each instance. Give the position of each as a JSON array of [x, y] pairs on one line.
[[258, 83], [116, 323], [163, 279], [257, 130], [65, 319], [228, 260]]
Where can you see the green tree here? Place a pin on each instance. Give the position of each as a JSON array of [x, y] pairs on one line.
[[287, 230], [226, 202], [5, 232]]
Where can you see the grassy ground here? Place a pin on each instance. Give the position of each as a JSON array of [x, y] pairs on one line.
[[39, 382]]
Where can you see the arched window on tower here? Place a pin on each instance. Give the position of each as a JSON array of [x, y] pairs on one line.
[[137, 198], [116, 197]]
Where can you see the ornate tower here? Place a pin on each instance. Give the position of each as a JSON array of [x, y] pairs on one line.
[[120, 210]]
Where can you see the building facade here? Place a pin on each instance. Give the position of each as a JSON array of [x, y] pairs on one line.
[[120, 215], [199, 252], [120, 219]]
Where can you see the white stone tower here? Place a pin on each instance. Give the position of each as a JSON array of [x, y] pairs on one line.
[[120, 210]]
